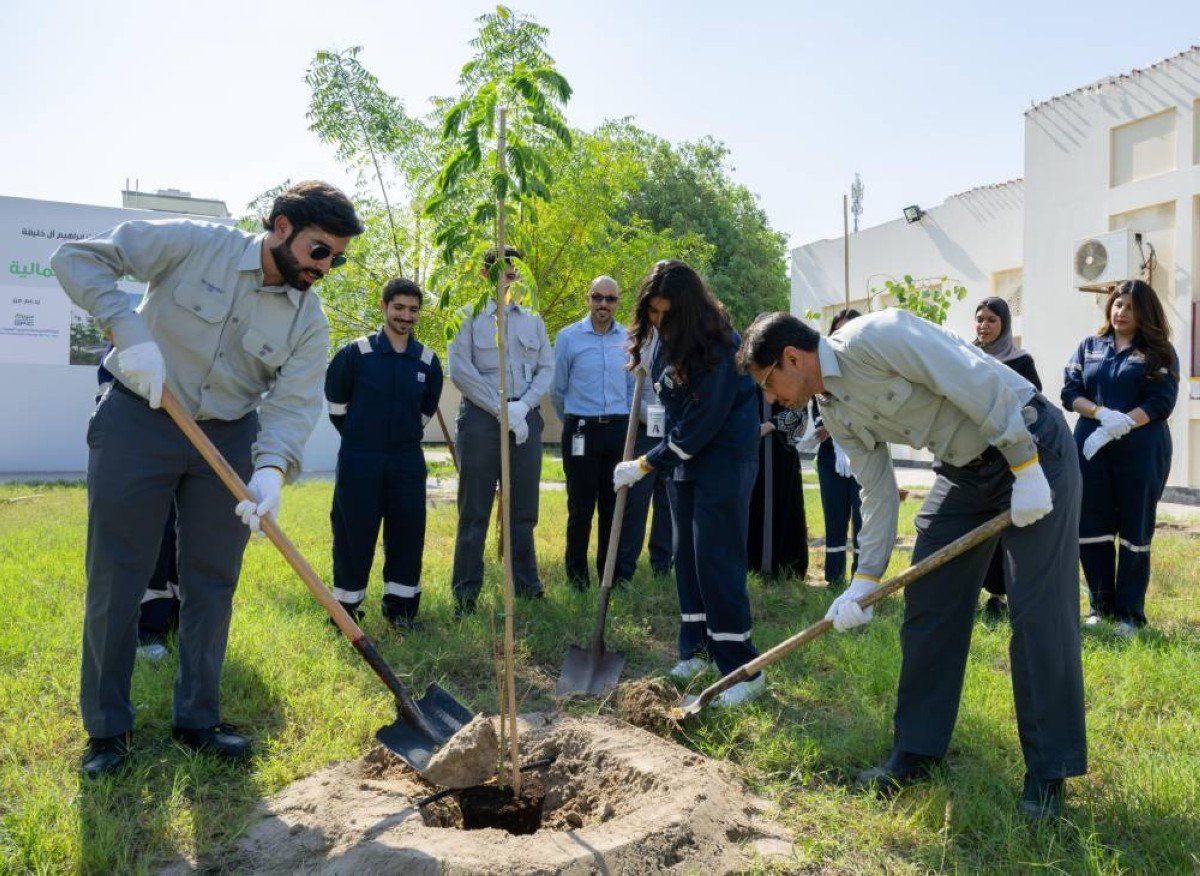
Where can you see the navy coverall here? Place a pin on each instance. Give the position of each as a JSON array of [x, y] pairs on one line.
[[1123, 482], [711, 442], [380, 400]]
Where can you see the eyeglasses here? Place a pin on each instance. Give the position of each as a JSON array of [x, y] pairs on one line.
[[762, 384], [606, 299], [319, 252]]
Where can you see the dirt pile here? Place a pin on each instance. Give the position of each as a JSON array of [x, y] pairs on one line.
[[617, 799], [647, 703]]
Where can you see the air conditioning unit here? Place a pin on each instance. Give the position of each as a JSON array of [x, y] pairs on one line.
[[1105, 260]]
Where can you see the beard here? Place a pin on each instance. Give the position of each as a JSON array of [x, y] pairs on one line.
[[289, 266]]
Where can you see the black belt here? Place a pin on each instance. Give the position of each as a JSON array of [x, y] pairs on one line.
[[606, 418], [121, 387]]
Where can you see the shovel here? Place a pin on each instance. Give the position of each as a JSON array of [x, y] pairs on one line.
[[421, 726], [978, 535], [594, 671]]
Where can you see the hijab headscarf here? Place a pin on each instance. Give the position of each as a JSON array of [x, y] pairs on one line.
[[1003, 347]]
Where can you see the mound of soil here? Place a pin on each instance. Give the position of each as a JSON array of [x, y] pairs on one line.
[[617, 799]]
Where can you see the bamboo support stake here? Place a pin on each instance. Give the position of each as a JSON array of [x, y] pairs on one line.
[[506, 473]]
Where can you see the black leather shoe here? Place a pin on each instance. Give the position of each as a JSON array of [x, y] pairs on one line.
[[222, 740], [106, 756], [1041, 799], [901, 768], [356, 614], [995, 610]]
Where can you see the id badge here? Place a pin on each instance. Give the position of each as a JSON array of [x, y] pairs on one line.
[[577, 444], [656, 416]]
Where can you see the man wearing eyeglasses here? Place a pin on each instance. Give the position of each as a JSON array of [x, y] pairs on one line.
[[474, 363], [229, 319], [999, 446], [592, 393]]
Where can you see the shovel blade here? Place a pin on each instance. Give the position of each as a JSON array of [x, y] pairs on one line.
[[445, 716], [691, 705], [586, 673]]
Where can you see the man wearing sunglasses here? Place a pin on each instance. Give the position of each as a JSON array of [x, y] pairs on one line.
[[230, 321], [592, 392]]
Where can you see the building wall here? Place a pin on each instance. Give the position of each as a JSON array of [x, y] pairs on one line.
[[973, 239], [1120, 154], [1123, 153]]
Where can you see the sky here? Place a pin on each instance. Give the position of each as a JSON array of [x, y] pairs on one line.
[[924, 100]]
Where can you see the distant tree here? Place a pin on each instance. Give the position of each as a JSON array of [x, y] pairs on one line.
[[689, 190]]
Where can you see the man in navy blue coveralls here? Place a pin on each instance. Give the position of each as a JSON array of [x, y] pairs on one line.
[[382, 389]]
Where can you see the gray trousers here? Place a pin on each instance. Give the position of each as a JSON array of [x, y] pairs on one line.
[[478, 475], [1043, 598], [138, 464]]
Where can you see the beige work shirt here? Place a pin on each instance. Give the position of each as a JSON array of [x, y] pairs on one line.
[[473, 357], [231, 344], [894, 377]]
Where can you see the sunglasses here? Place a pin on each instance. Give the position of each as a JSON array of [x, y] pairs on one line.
[[606, 299], [318, 252]]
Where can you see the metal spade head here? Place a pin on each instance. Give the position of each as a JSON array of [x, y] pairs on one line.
[[444, 716], [586, 672], [691, 705]]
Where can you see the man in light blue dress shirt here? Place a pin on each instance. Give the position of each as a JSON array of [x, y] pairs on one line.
[[592, 392]]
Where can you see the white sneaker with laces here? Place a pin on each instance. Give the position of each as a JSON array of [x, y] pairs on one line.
[[155, 652], [1125, 630], [743, 692], [686, 670]]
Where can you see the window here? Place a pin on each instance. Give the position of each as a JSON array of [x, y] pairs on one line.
[[1142, 149]]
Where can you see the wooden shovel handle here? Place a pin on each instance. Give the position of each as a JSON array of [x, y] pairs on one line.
[[295, 559], [614, 535], [938, 558]]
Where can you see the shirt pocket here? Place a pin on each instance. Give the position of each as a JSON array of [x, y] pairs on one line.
[[270, 352], [892, 395], [528, 344], [206, 300], [484, 350]]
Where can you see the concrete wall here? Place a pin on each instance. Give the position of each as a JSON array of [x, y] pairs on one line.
[[1118, 154]]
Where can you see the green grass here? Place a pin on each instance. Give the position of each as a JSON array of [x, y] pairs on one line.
[[307, 700]]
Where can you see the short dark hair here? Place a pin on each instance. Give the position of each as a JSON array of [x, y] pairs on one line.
[[763, 343], [402, 286], [843, 316], [313, 202], [510, 252]]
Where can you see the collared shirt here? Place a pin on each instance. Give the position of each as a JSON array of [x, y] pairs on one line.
[[1118, 381], [894, 377], [590, 377], [230, 344], [474, 357], [379, 398]]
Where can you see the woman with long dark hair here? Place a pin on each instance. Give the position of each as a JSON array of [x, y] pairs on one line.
[[993, 335], [1123, 382], [710, 443]]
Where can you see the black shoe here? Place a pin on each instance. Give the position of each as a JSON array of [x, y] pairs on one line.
[[402, 624], [463, 608], [532, 594], [222, 740], [901, 768], [995, 610], [1041, 799], [106, 756], [580, 584]]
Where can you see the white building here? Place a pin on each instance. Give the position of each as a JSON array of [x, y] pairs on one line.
[[1122, 153]]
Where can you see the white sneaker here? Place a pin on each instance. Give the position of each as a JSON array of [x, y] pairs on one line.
[[152, 653], [1092, 621], [686, 670], [743, 692], [1125, 630]]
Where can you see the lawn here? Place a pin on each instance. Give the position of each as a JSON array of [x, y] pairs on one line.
[[304, 696]]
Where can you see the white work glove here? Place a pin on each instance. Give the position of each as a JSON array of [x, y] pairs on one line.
[[517, 424], [626, 474], [1095, 441], [142, 365], [845, 612], [1031, 499], [266, 486], [841, 462], [1115, 423]]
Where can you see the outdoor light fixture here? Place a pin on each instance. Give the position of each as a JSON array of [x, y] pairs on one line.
[[913, 214]]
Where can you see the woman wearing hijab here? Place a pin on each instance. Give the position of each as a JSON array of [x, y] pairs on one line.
[[993, 335], [778, 536]]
